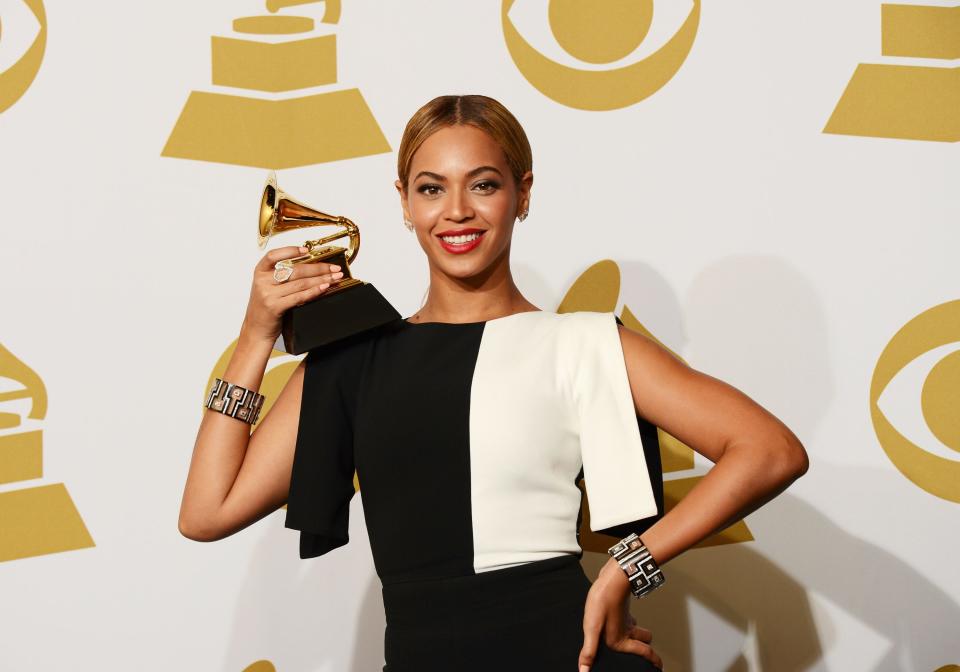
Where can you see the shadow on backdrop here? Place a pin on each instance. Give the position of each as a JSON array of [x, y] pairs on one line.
[[302, 614]]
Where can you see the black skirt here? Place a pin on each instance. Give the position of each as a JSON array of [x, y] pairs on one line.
[[525, 617]]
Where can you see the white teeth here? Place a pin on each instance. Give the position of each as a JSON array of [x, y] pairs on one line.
[[456, 240]]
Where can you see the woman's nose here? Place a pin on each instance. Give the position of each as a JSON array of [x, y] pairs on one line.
[[460, 208]]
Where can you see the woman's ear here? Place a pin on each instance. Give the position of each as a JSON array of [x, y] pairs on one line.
[[403, 198], [523, 193]]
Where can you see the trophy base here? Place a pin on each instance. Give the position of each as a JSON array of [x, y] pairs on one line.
[[332, 317]]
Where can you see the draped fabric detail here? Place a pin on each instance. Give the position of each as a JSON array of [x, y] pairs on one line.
[[321, 480], [620, 449]]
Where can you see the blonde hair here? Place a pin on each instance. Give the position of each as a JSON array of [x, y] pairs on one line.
[[482, 112]]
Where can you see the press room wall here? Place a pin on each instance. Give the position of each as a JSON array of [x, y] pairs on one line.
[[768, 189]]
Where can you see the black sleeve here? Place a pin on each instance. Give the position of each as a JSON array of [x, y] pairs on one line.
[[321, 481]]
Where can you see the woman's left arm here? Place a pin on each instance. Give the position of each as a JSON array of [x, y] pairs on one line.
[[755, 456]]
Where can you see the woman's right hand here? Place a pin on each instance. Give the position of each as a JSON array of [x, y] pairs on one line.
[[237, 477], [269, 299]]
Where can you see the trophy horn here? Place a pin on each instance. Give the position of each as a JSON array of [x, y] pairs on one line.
[[281, 212]]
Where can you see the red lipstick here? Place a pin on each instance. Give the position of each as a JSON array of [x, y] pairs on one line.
[[460, 248]]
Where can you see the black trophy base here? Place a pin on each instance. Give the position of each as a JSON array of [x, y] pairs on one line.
[[330, 318]]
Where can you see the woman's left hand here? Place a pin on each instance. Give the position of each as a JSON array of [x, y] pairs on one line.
[[606, 614]]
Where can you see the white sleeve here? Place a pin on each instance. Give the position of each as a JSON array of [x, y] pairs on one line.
[[614, 465]]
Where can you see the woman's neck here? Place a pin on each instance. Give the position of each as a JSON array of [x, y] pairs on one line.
[[454, 300]]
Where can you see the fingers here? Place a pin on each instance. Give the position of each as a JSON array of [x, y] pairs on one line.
[[300, 269], [273, 256], [628, 645], [312, 269], [636, 642], [293, 286], [277, 297], [637, 632], [315, 271], [277, 305], [592, 625], [311, 292]]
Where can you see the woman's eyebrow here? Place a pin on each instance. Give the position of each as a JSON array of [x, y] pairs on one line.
[[427, 173], [483, 169], [441, 178]]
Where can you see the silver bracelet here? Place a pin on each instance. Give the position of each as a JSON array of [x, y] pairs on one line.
[[235, 401], [638, 564]]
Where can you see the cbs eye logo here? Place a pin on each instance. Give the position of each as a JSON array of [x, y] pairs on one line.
[[20, 57], [586, 52], [915, 400]]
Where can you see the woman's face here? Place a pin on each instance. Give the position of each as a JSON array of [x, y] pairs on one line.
[[463, 200]]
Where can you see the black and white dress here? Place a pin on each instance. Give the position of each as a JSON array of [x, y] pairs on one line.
[[468, 440]]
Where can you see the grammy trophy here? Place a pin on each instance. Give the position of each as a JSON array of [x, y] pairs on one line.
[[348, 306]]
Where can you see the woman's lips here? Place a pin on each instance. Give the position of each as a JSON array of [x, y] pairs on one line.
[[460, 248]]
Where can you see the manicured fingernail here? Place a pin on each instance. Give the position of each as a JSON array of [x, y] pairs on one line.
[[334, 267], [584, 668], [303, 249], [338, 275]]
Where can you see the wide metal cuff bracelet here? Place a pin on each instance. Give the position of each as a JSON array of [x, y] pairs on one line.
[[638, 564], [235, 401]]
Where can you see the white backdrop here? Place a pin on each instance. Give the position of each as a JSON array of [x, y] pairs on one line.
[[765, 251]]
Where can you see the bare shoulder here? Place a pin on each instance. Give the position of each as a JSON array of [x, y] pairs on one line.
[[641, 347]]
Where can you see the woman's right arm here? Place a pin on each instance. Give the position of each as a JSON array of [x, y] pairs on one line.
[[235, 477]]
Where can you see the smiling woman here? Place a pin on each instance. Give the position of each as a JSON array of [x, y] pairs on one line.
[[464, 176], [469, 426]]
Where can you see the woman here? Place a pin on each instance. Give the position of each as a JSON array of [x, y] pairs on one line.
[[468, 425]]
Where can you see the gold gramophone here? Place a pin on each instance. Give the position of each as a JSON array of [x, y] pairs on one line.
[[349, 305]]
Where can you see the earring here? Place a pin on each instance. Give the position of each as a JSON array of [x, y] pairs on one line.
[[523, 215], [408, 224]]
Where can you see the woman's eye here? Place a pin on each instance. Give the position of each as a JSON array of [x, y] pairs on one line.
[[429, 189], [487, 185]]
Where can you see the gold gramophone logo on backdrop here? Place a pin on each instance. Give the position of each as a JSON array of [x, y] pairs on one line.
[[911, 101], [276, 118], [915, 397], [17, 78], [596, 38], [598, 288], [37, 519]]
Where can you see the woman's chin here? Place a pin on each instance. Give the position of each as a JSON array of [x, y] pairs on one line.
[[463, 269]]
